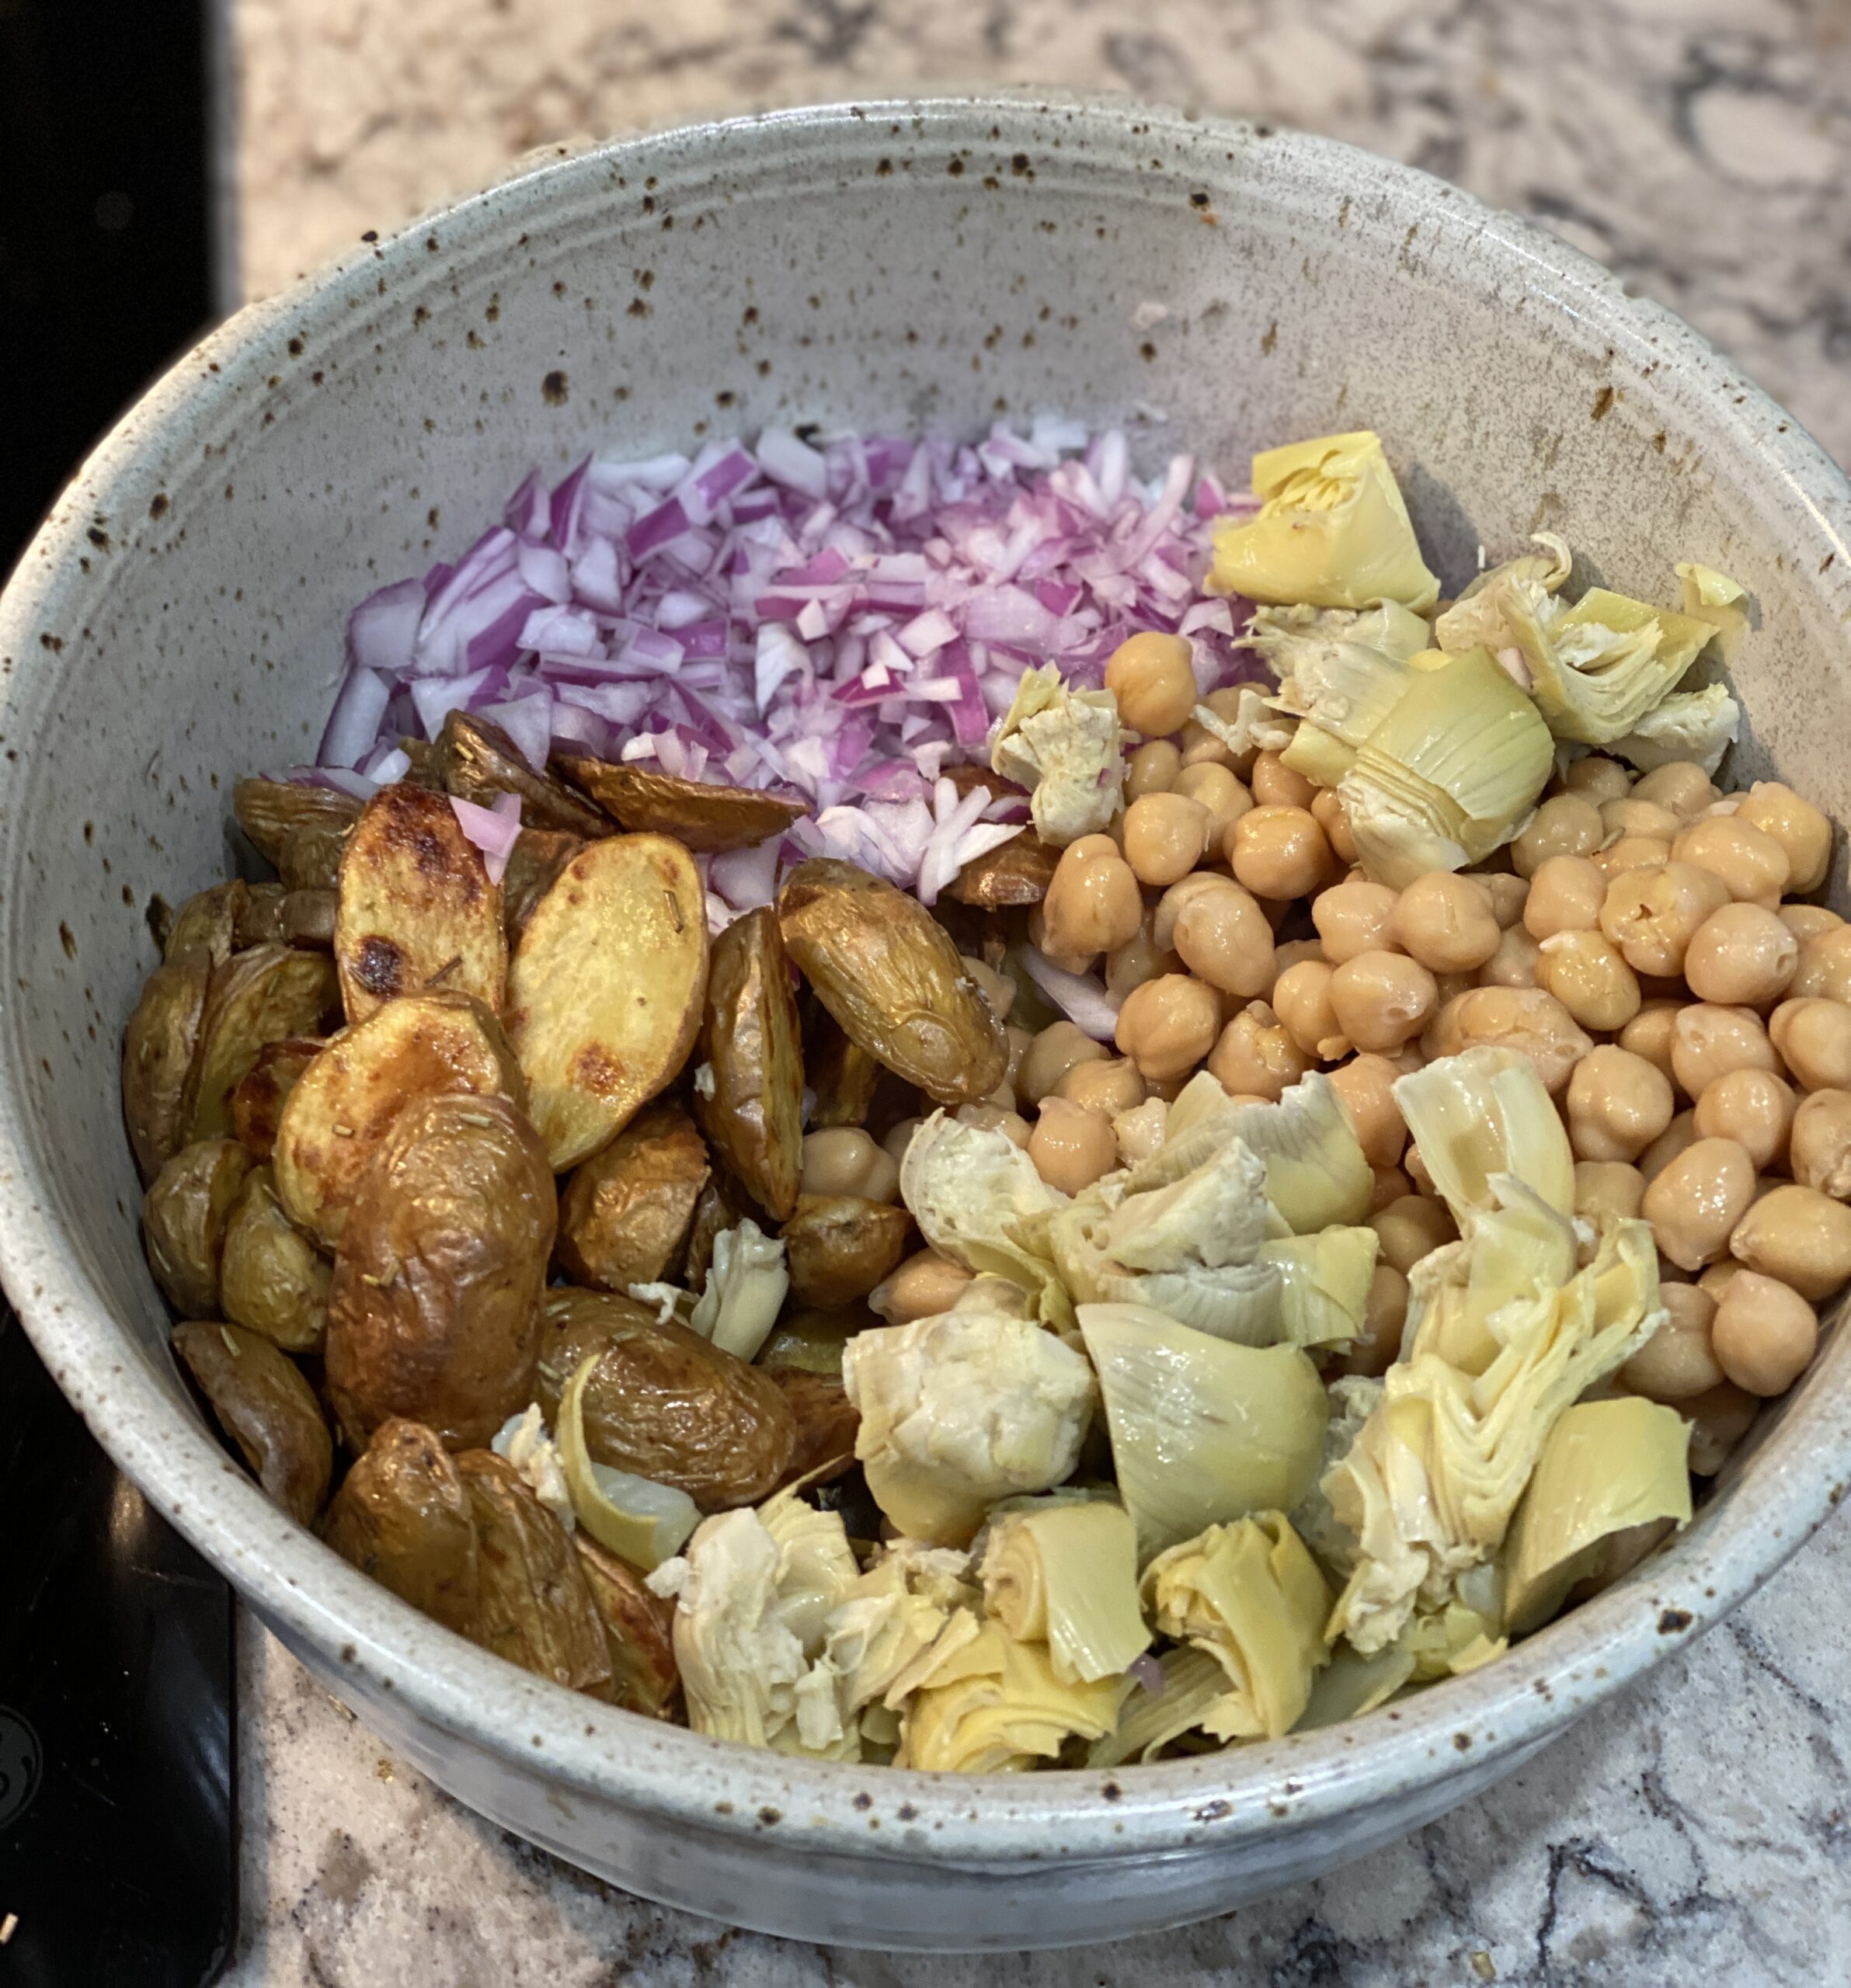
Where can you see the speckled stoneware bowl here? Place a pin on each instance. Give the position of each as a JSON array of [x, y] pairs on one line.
[[1210, 286]]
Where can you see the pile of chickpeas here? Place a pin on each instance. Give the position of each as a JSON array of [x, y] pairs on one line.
[[1642, 940]]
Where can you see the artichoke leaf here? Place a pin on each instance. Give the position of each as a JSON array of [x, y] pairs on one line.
[[1711, 596], [1193, 1682], [1001, 1709], [1066, 1574], [1351, 1684], [638, 1520], [1324, 1284], [1689, 725], [1482, 1113]]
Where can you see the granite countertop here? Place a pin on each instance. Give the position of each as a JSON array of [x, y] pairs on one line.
[[1702, 148]]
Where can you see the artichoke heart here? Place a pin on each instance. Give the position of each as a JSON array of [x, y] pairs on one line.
[[1193, 1682], [897, 1619], [1066, 747], [1251, 1597], [1332, 531], [745, 1291], [638, 1520], [1608, 1466], [1324, 1281], [1066, 1574], [998, 1708], [1711, 596], [1482, 1113], [1450, 774], [1689, 725]]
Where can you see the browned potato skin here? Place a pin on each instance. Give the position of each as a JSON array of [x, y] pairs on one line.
[[184, 1215], [665, 1403], [827, 1422], [416, 907], [158, 1048], [839, 1247], [266, 1408], [272, 812], [270, 1280], [721, 1205], [259, 921], [307, 917], [534, 866], [841, 1074], [751, 1043], [207, 923], [638, 1631], [534, 1606], [701, 817], [1018, 872], [476, 761], [341, 1106], [893, 980], [266, 994], [258, 1102], [312, 859], [626, 1214], [402, 1516], [434, 1311]]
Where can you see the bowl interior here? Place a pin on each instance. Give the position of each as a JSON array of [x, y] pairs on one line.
[[938, 266]]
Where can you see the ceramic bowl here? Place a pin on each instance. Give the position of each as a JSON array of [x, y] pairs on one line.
[[937, 264]]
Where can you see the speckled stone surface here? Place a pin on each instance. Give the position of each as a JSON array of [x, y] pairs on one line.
[[1701, 1825]]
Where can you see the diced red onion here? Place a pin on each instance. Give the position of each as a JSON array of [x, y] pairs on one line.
[[1081, 997], [493, 830], [1147, 1672], [354, 724]]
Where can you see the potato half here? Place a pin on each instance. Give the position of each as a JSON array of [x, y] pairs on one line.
[[624, 1215], [753, 1109], [402, 1516], [266, 1408], [267, 995]]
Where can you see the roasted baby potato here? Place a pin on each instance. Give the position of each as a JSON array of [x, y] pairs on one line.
[[1018, 872], [809, 1337], [302, 829], [476, 760], [841, 1075], [535, 861], [638, 1630], [416, 908], [184, 1215], [434, 1310], [266, 1408], [158, 1048], [270, 1278], [892, 979], [402, 1516], [605, 992], [707, 818], [664, 1402], [720, 1206], [259, 921], [827, 1422], [753, 1111], [307, 917], [258, 1102], [535, 1604], [420, 1045], [626, 1214], [207, 923], [838, 1247], [267, 995]]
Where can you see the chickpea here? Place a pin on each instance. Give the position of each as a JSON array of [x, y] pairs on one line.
[[1203, 748], [1718, 1421], [1446, 922], [1509, 894], [1718, 1278], [898, 1138], [1165, 837], [1707, 1042], [1049, 1057], [1277, 785], [1093, 905], [1153, 769], [1301, 998], [1752, 864], [1223, 936], [1254, 1057], [1168, 1026], [1814, 1039], [1384, 1316], [989, 1117], [1279, 852], [1071, 1145], [1807, 921], [1565, 895], [1565, 825], [1216, 790], [1618, 1103], [1139, 1132], [1648, 1034], [1607, 1191], [1597, 779], [1382, 998], [1796, 825], [1326, 811], [925, 1285], [1295, 952], [1111, 1086], [1820, 1143], [1365, 1088], [843, 1160], [1515, 962], [1391, 1184], [1677, 1139], [1632, 852], [1681, 785], [1585, 971], [1019, 1041], [1152, 677], [999, 990], [1139, 959], [1527, 1019], [1353, 918], [1741, 956], [1629, 816], [1694, 1204], [1753, 1107], [1677, 1363], [1416, 1168], [1764, 1334], [1652, 915], [1801, 1236], [1824, 968], [1411, 1228]]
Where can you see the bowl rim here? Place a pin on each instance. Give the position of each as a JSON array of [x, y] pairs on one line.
[[1051, 1818]]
